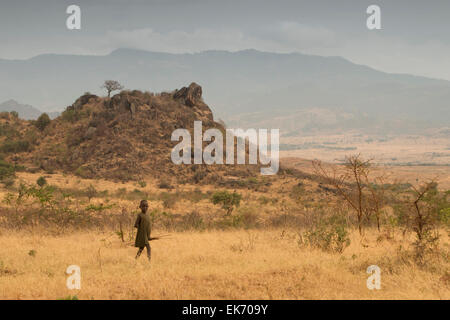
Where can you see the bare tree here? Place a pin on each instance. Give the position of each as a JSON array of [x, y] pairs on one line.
[[423, 217], [350, 184], [377, 198], [111, 85]]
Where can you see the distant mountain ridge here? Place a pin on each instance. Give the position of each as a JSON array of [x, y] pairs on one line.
[[241, 83], [25, 111]]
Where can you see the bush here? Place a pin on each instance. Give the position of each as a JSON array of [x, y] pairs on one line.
[[15, 146], [169, 200], [246, 218], [8, 131], [142, 183], [328, 235], [164, 185], [227, 199], [7, 172], [41, 181], [193, 221], [90, 192], [72, 115], [42, 122]]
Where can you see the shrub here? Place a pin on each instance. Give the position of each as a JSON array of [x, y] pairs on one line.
[[72, 115], [8, 131], [15, 146], [428, 210], [198, 176], [7, 172], [245, 218], [328, 235], [169, 200], [74, 137], [164, 185], [91, 192], [142, 183], [193, 220], [41, 181], [42, 122], [227, 199]]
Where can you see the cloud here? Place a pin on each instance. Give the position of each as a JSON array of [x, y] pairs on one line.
[[280, 37]]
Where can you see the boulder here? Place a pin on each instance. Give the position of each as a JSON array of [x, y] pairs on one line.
[[191, 95]]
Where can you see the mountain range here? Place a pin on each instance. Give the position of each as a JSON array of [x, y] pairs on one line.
[[246, 88]]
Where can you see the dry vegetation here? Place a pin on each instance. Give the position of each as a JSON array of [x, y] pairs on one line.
[[289, 237], [235, 264], [70, 189]]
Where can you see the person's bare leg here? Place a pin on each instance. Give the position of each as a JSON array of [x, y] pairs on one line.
[[149, 252], [139, 252]]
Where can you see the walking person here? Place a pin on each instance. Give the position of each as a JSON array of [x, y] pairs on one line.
[[143, 230]]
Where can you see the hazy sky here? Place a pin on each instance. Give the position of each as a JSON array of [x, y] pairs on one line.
[[415, 35]]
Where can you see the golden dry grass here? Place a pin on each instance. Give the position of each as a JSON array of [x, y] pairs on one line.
[[257, 264], [234, 264]]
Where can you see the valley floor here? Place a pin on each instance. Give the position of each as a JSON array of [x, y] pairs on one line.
[[237, 264]]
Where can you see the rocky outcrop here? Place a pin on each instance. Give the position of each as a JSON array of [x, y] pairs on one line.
[[84, 99], [126, 136], [190, 96]]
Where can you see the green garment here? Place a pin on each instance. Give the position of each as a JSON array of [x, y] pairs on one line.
[[143, 232]]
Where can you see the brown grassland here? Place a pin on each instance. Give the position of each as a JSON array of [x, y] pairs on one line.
[[259, 252], [238, 264]]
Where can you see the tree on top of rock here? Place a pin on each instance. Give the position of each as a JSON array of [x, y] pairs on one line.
[[111, 85]]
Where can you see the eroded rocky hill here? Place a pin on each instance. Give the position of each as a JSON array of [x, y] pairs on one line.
[[125, 137]]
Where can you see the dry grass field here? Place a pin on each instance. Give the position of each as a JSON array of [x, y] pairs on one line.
[[252, 264], [263, 256]]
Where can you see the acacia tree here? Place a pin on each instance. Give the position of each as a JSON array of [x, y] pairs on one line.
[[227, 199], [111, 85], [426, 204]]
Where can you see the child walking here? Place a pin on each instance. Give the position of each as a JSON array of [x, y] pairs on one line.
[[143, 230]]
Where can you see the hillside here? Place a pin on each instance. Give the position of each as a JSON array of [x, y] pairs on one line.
[[126, 137], [247, 88]]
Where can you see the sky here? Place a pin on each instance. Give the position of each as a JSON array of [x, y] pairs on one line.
[[414, 39]]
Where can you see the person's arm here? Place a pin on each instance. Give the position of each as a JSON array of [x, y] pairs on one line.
[[138, 221]]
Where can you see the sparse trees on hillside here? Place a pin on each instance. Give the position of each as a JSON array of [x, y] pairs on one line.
[[111, 85]]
